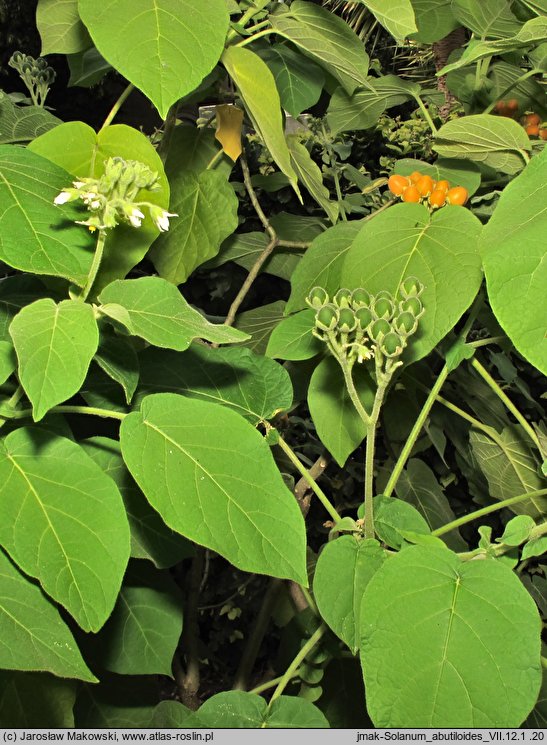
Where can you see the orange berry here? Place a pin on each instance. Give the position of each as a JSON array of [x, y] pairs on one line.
[[397, 184], [437, 198], [532, 130], [458, 195], [499, 107], [533, 119], [543, 133], [415, 176], [512, 105], [425, 185], [441, 185], [411, 194]]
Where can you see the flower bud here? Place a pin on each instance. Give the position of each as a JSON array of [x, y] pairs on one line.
[[412, 305], [391, 345], [342, 298], [347, 321], [405, 323], [378, 329], [360, 298], [383, 307], [363, 317], [326, 318], [411, 287], [318, 297]]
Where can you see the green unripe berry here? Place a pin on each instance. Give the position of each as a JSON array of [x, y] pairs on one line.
[[360, 298], [411, 305], [347, 321], [411, 287], [364, 317], [405, 323], [391, 345], [383, 307], [326, 318], [379, 329], [342, 298], [317, 297]]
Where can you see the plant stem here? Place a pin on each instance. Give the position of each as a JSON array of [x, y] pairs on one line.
[[254, 199], [370, 446], [313, 484], [214, 160], [95, 265], [250, 39], [332, 164], [352, 390], [485, 375], [88, 410], [12, 402], [271, 683], [190, 635], [117, 106], [426, 114], [415, 432], [487, 510], [295, 664], [292, 244], [486, 342]]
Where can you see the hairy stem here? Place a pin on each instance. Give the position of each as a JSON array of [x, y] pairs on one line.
[[117, 106], [272, 683], [95, 265], [370, 445], [88, 410]]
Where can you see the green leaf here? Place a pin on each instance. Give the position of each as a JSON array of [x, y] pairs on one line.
[[511, 468], [535, 547], [171, 714], [64, 522], [154, 309], [489, 19], [141, 635], [321, 265], [418, 486], [8, 361], [256, 387], [121, 702], [192, 149], [434, 19], [75, 147], [34, 637], [327, 39], [35, 700], [259, 324], [344, 569], [494, 141], [257, 88], [222, 492], [60, 27], [20, 124], [239, 709], [513, 249], [16, 292], [336, 420], [441, 250], [292, 339], [446, 643], [456, 172], [517, 530], [150, 537], [117, 357], [392, 515], [298, 80], [310, 175], [181, 42], [396, 16], [206, 206], [245, 248], [87, 68], [55, 344], [529, 92], [30, 224]]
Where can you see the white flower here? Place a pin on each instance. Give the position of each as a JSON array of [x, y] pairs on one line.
[[136, 217], [63, 198], [78, 184], [162, 219]]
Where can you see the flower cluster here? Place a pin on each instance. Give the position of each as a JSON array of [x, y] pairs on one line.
[[36, 74], [420, 187], [357, 326], [111, 198]]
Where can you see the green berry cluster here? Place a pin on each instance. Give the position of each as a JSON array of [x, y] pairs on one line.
[[36, 74], [357, 326]]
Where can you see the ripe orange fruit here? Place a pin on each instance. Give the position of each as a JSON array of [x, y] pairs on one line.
[[397, 184], [512, 105], [411, 194], [425, 185], [532, 130], [499, 107], [437, 198], [531, 119], [415, 176], [543, 133], [458, 195], [442, 185]]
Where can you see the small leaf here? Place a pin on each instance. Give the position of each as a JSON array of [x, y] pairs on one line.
[[298, 80], [180, 42], [60, 27], [310, 175], [34, 637], [259, 324], [396, 16], [154, 309], [63, 523], [117, 357], [517, 530], [344, 569], [471, 639], [87, 68], [36, 700], [535, 547], [55, 344], [222, 492], [229, 125], [292, 339], [392, 514]]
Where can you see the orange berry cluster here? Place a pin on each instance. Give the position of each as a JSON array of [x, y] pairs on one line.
[[419, 187], [531, 122]]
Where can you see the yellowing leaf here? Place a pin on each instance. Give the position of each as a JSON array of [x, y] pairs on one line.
[[229, 124]]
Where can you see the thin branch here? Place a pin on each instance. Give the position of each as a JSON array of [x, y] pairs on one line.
[[89, 410], [303, 490], [117, 106], [246, 286], [189, 682], [254, 199]]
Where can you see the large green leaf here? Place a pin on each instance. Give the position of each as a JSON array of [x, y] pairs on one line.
[[490, 19], [75, 147], [511, 468], [336, 420], [514, 257], [150, 537], [218, 483], [36, 235], [344, 569], [20, 124], [87, 68], [257, 87], [321, 265], [391, 516], [310, 175], [259, 324], [164, 47], [192, 149], [154, 309], [292, 339], [35, 700], [34, 637], [141, 635], [122, 702], [256, 387], [239, 709], [326, 38], [60, 27], [55, 344], [299, 81], [396, 16], [434, 19], [206, 206], [495, 141], [63, 521], [446, 643], [440, 250]]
